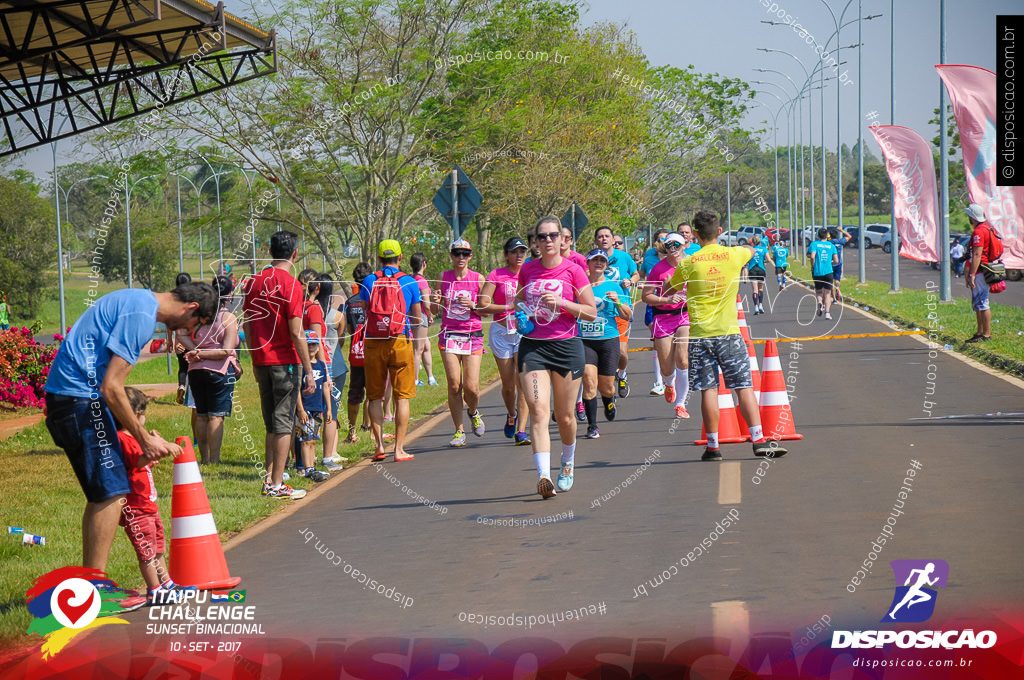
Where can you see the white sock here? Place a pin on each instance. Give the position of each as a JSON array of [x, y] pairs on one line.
[[670, 379], [682, 386], [756, 433], [568, 453], [657, 369], [712, 440], [542, 460]]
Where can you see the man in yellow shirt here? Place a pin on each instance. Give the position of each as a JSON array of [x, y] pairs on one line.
[[712, 280]]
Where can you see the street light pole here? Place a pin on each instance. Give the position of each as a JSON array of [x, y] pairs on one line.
[[894, 237], [862, 276], [944, 280]]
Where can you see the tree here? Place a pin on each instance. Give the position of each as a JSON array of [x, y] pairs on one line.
[[28, 249]]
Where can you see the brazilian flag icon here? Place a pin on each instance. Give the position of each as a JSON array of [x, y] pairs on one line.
[[237, 596]]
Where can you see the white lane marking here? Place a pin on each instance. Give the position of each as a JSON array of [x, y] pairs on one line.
[[730, 620], [730, 491]]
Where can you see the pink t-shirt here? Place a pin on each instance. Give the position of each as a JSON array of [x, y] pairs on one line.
[[456, 318], [424, 285], [566, 279], [505, 284], [661, 273], [575, 257]]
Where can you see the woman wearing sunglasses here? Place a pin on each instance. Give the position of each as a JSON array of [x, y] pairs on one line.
[[670, 326], [499, 292], [462, 339], [556, 294]]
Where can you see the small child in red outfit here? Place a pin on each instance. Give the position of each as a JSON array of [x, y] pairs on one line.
[[140, 515]]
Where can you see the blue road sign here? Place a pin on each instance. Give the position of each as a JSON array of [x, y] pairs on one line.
[[464, 201]]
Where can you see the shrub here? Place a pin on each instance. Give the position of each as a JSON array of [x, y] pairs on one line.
[[24, 366]]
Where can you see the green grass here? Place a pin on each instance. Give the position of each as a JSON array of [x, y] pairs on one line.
[[41, 494], [956, 319]]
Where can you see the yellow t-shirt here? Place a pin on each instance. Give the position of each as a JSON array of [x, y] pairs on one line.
[[712, 278]]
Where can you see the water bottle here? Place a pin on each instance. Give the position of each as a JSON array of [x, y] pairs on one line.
[[15, 530], [32, 539], [523, 323]]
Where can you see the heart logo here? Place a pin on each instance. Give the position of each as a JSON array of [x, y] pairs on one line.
[[75, 603], [73, 612]]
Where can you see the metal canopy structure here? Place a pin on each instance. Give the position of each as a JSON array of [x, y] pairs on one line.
[[96, 62]]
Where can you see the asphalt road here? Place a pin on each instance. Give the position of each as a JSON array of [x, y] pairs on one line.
[[797, 538]]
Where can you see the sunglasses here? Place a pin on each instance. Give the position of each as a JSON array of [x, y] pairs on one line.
[[619, 243], [550, 236], [673, 245], [462, 253]]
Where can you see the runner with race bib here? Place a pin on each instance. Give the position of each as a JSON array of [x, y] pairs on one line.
[[671, 325]]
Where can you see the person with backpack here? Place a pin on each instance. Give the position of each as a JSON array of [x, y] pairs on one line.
[[355, 320], [986, 250], [393, 300]]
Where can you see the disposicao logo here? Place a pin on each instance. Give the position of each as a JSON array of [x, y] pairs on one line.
[[67, 601], [914, 602]]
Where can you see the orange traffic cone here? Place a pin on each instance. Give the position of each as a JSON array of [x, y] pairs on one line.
[[729, 428], [776, 416], [196, 557], [742, 319], [755, 374]]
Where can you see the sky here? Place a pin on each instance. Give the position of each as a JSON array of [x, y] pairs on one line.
[[722, 36]]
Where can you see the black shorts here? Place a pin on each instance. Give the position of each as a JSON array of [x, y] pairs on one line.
[[212, 391], [823, 282], [356, 385], [602, 353], [756, 274], [563, 357], [779, 271]]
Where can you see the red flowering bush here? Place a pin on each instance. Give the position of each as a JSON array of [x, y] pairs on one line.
[[24, 366]]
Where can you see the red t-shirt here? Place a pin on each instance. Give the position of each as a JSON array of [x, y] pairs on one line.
[[271, 298], [142, 497], [980, 238]]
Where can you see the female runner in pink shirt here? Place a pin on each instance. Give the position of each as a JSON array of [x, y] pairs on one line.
[[557, 293], [670, 325], [462, 339]]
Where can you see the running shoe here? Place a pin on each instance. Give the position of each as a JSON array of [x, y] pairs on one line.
[[334, 463], [365, 428], [609, 411], [287, 492], [764, 449], [432, 381], [386, 436], [352, 437], [821, 309], [828, 317], [593, 432], [657, 390], [390, 418], [670, 394], [130, 604], [266, 489], [581, 414], [545, 488], [510, 426], [681, 412], [459, 440], [380, 456], [316, 475], [419, 383], [180, 397], [623, 386], [711, 454], [402, 459], [565, 476], [522, 439], [478, 423]]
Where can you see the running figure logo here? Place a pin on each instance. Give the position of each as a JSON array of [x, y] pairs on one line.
[[914, 601]]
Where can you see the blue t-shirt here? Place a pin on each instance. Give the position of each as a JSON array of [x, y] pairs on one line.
[[602, 328], [620, 265], [822, 252], [757, 259], [840, 243], [780, 254], [410, 290], [315, 402], [650, 259], [692, 248], [118, 323]]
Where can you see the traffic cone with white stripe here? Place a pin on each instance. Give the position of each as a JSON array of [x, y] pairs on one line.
[[729, 429], [755, 374], [196, 557], [742, 319], [776, 415]]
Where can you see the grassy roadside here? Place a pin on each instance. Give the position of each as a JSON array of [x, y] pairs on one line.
[[956, 319], [41, 494]]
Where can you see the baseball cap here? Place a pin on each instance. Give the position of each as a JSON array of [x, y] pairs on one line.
[[312, 338], [461, 244], [674, 237], [975, 212], [389, 247], [596, 252], [514, 243]]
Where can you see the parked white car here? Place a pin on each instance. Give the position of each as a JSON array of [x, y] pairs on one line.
[[876, 235]]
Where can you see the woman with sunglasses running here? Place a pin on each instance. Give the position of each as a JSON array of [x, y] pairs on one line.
[[462, 338], [670, 327], [556, 294], [499, 292]]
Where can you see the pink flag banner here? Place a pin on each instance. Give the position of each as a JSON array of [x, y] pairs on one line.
[[908, 160], [972, 92]]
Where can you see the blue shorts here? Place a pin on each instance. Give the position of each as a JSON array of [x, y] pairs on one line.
[[212, 391], [837, 272], [339, 387], [979, 296], [725, 352], [85, 429]]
